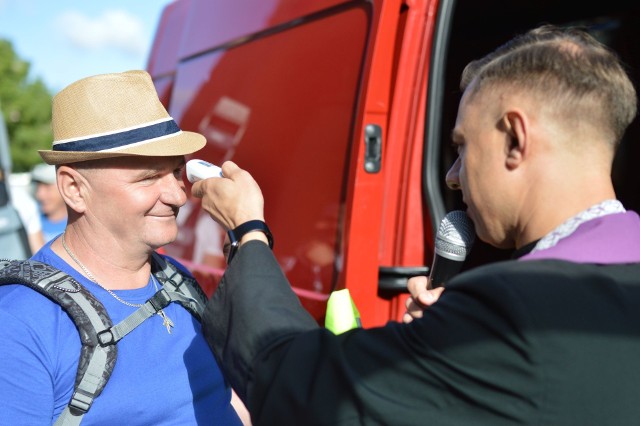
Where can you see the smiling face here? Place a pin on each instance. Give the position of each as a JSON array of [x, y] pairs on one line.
[[135, 200], [481, 171]]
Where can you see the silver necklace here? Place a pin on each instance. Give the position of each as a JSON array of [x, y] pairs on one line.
[[166, 321]]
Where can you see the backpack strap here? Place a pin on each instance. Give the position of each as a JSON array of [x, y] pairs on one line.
[[176, 287], [91, 319], [181, 288]]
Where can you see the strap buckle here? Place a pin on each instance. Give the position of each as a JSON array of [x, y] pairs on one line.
[[80, 403], [160, 300], [106, 338]]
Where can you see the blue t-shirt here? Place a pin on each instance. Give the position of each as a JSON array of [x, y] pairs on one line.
[[159, 378]]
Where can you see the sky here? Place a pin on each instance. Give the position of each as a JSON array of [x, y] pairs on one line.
[[66, 40]]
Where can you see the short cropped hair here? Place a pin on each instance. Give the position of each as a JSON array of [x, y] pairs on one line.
[[566, 67]]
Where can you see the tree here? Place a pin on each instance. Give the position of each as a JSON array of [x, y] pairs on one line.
[[26, 107]]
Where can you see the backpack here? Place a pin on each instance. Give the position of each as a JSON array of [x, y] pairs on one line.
[[98, 334]]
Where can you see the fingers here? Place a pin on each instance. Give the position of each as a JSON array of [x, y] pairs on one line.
[[198, 189], [420, 298], [429, 297], [413, 311], [417, 285], [233, 199], [230, 170]]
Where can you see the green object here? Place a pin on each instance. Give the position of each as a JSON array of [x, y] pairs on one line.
[[342, 314]]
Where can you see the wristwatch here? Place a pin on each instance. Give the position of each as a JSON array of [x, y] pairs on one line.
[[236, 234]]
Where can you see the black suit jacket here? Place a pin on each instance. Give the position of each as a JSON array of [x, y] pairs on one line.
[[518, 342]]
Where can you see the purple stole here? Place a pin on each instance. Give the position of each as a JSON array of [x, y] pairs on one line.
[[609, 239]]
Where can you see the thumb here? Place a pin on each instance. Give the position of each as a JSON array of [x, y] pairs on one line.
[[229, 168], [429, 297], [197, 189]]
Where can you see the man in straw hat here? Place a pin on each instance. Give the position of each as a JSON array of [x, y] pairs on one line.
[[119, 158]]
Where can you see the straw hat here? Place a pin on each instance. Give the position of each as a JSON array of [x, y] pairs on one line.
[[113, 115]]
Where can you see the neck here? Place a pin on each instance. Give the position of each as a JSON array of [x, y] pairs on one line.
[[108, 263], [561, 199]]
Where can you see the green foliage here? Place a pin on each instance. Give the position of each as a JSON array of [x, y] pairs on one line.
[[26, 106]]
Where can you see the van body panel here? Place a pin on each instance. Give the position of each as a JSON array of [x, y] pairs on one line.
[[165, 51], [211, 26]]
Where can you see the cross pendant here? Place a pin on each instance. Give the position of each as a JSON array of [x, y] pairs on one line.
[[166, 321]]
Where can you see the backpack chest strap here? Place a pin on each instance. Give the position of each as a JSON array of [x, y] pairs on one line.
[[154, 305]]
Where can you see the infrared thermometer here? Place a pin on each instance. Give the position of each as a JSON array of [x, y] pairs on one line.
[[200, 169]]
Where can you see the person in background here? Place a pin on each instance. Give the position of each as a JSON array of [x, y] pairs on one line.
[[551, 337], [27, 208], [20, 232], [120, 159], [53, 210]]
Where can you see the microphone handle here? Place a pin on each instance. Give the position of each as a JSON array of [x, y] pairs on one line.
[[442, 270]]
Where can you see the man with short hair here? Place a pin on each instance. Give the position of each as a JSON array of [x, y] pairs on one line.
[[119, 158], [549, 338]]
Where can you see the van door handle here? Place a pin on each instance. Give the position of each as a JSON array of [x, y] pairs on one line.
[[393, 279], [373, 148]]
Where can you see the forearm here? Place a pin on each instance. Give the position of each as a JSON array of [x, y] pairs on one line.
[[252, 309]]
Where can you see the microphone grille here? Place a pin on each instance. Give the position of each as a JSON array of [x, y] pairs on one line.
[[455, 236]]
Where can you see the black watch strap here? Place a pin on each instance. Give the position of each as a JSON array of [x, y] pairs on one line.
[[236, 234]]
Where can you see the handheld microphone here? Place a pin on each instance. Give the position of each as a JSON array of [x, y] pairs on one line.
[[452, 245]]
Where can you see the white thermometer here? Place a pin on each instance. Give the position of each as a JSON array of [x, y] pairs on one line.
[[200, 169]]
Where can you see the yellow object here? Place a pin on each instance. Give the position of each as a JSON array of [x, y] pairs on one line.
[[342, 314]]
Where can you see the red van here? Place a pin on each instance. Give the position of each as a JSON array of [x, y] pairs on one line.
[[342, 111]]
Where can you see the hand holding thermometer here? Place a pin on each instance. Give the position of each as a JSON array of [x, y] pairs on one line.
[[200, 169]]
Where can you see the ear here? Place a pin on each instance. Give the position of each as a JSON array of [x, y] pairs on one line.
[[516, 128], [71, 184]]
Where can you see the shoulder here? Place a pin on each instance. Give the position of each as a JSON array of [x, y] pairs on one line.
[[34, 328], [20, 299], [30, 307], [515, 279], [27, 308], [544, 289], [541, 274], [39, 352], [181, 268]]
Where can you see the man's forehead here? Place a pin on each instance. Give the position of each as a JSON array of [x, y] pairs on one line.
[[473, 111], [135, 162], [457, 134]]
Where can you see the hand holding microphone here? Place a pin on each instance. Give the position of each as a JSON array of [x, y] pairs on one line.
[[420, 298], [453, 243]]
